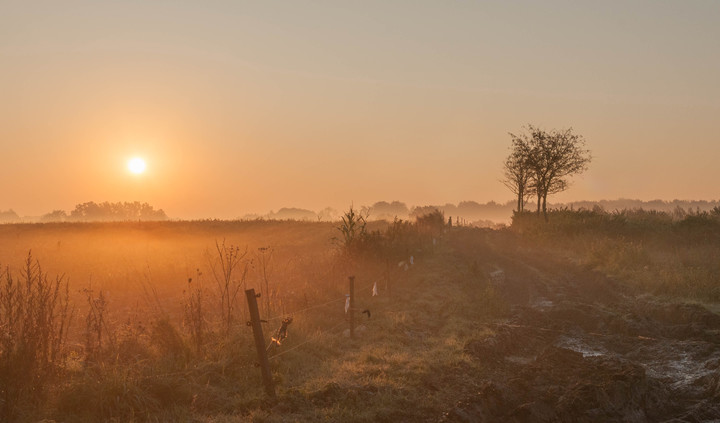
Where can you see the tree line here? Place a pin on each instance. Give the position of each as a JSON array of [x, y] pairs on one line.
[[107, 211], [95, 212]]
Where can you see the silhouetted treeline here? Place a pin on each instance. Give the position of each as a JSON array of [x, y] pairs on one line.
[[9, 216], [467, 212], [485, 214], [293, 213], [659, 205], [480, 214], [106, 211]]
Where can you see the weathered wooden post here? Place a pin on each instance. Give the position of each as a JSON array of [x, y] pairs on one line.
[[387, 278], [260, 342], [352, 306]]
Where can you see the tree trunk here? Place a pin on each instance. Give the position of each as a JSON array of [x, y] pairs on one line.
[[544, 206], [520, 202]]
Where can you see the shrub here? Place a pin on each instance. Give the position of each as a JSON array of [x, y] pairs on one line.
[[352, 230]]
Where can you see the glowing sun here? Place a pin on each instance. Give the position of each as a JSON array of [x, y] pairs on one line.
[[137, 165]]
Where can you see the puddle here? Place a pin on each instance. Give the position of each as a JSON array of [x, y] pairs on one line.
[[681, 371], [580, 346], [542, 303]]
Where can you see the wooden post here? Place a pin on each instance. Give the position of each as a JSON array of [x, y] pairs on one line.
[[352, 306], [387, 278], [260, 342]]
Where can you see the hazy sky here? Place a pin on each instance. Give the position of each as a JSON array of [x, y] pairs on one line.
[[243, 107]]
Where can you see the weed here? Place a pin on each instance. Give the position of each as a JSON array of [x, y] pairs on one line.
[[96, 325], [223, 267], [352, 230], [193, 312], [34, 317]]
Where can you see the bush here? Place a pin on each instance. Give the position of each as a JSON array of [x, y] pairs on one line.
[[397, 240], [353, 231]]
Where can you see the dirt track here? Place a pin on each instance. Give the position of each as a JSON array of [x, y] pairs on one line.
[[578, 346]]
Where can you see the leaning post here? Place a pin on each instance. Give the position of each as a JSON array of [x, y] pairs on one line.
[[260, 342]]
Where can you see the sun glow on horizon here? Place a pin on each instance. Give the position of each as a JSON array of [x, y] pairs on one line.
[[136, 165]]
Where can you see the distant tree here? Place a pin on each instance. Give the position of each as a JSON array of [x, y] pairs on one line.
[[293, 213], [328, 214], [55, 216], [388, 211], [420, 211], [9, 216], [87, 211], [107, 211], [541, 163]]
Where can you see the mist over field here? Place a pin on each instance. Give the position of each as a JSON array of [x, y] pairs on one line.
[[469, 212], [363, 320], [406, 211]]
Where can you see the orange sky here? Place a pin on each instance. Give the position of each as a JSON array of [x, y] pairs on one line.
[[241, 107]]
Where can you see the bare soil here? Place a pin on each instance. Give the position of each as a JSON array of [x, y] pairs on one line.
[[579, 346]]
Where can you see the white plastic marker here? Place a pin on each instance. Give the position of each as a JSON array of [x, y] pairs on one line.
[[347, 302], [375, 290], [412, 260]]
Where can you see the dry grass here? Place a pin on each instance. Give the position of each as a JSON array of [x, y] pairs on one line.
[[159, 336], [672, 254]]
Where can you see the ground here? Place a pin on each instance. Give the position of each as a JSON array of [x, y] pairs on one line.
[[484, 326], [579, 346]]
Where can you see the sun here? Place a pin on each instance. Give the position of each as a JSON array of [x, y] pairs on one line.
[[136, 165]]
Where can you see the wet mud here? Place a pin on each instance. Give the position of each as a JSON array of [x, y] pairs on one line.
[[577, 347]]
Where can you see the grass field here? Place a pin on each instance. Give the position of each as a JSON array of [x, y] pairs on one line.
[[155, 330], [158, 331], [672, 254]]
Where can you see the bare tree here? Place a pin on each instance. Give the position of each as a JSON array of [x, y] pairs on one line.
[[542, 162], [557, 156], [518, 171]]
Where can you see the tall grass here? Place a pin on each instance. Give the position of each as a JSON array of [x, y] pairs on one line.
[[192, 358], [225, 267], [35, 314], [675, 253]]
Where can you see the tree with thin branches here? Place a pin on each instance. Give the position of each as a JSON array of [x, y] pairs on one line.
[[542, 162], [518, 172]]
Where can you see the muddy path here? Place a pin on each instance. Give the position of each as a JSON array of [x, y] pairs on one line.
[[578, 346]]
